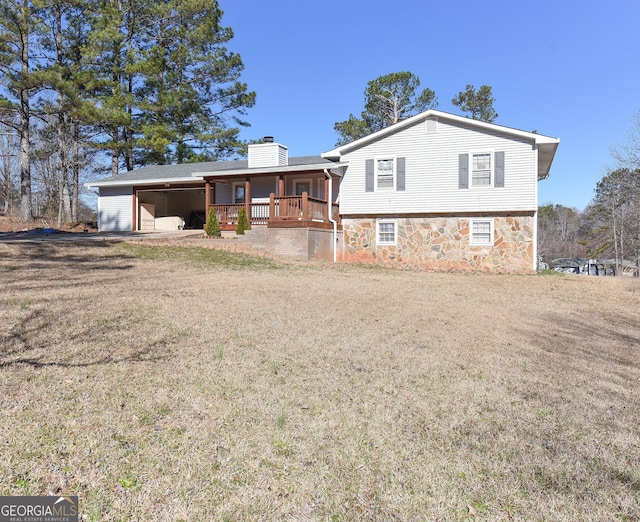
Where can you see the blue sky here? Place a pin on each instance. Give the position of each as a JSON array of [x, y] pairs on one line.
[[566, 68]]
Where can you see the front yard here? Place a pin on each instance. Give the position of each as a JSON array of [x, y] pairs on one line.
[[161, 383]]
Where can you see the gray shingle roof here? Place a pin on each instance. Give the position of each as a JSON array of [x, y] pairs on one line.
[[186, 170]]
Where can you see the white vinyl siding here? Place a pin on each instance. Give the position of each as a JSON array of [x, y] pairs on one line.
[[115, 208], [432, 173], [267, 155]]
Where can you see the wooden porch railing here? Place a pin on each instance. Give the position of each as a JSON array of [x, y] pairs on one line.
[[303, 208], [279, 208], [228, 214]]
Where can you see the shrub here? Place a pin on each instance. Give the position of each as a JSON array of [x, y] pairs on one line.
[[243, 222], [212, 228]]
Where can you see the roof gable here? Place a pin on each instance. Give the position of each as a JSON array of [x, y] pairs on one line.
[[546, 145]]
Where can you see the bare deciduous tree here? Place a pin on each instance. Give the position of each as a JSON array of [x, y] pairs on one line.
[[558, 232], [628, 154], [9, 169]]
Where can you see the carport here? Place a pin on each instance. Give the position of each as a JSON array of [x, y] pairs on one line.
[[178, 205]]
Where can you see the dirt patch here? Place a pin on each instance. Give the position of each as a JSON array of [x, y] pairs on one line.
[[11, 224], [179, 385]]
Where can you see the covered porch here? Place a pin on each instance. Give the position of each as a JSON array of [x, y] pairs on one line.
[[291, 200], [280, 211]]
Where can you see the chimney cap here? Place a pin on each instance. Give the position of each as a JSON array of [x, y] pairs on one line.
[[268, 139]]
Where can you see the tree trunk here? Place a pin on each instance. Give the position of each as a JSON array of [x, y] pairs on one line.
[[7, 183], [128, 133], [128, 149], [114, 152], [621, 235], [25, 114], [65, 200], [615, 237], [75, 184], [63, 130], [25, 167], [60, 204]]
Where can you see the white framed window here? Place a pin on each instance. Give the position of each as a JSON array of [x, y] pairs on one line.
[[385, 173], [481, 169], [481, 232], [386, 232]]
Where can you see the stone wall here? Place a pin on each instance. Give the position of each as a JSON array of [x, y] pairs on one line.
[[442, 243]]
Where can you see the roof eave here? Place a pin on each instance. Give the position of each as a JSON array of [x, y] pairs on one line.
[[282, 169], [130, 182], [200, 176], [336, 153], [546, 154]]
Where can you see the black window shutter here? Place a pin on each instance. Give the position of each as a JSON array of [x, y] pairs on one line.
[[400, 174], [463, 171], [368, 172], [499, 171]]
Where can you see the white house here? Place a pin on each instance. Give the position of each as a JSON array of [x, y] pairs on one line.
[[435, 191], [441, 191]]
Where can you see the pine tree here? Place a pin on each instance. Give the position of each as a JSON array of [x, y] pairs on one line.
[[243, 222], [388, 99], [19, 82], [212, 228], [112, 55], [479, 104], [64, 33], [190, 87]]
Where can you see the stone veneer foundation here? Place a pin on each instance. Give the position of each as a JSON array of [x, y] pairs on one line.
[[442, 243]]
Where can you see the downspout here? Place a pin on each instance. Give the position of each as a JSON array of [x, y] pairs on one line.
[[330, 212], [535, 213]]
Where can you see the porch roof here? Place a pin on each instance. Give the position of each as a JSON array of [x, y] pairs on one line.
[[297, 164], [192, 173]]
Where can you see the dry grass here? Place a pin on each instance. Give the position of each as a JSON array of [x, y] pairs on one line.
[[166, 389]]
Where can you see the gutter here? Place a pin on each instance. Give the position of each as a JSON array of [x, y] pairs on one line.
[[330, 212], [140, 182], [277, 169]]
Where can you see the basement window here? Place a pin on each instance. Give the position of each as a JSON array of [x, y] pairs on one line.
[[386, 233], [481, 232]]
